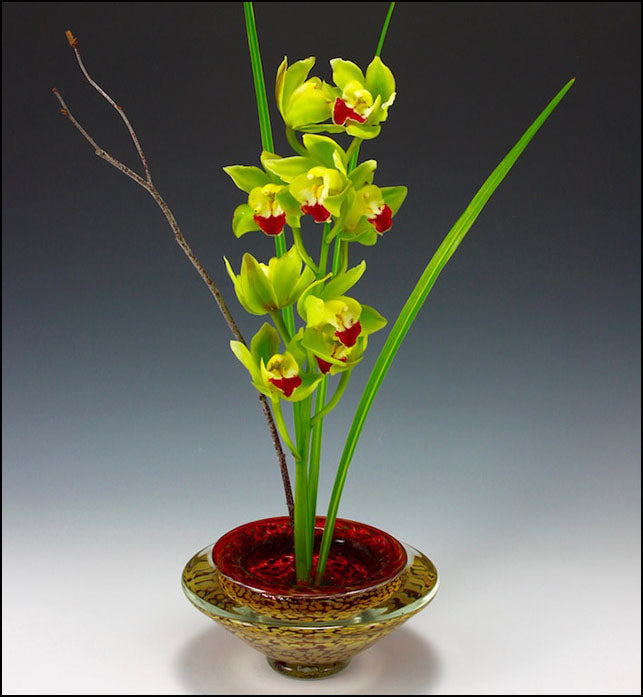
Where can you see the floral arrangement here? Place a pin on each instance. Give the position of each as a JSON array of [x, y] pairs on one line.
[[318, 328]]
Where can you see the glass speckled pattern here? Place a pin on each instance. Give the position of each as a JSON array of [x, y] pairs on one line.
[[307, 648]]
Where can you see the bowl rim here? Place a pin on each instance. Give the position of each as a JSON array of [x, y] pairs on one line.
[[240, 615], [323, 592]]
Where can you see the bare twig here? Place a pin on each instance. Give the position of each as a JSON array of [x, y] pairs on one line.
[[151, 189], [73, 42]]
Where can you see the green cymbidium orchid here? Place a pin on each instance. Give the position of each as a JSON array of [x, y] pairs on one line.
[[320, 192], [263, 210], [330, 353], [318, 183], [277, 375], [343, 317], [370, 211], [362, 101], [302, 102], [265, 288], [337, 326]]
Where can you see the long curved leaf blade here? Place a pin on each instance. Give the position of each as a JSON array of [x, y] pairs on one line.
[[432, 271], [415, 302]]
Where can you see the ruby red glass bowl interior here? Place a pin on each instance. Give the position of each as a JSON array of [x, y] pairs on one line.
[[260, 555]]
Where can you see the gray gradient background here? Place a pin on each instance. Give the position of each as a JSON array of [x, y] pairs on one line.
[[504, 443]]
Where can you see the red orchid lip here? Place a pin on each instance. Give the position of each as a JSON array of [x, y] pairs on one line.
[[342, 113], [383, 221], [319, 213], [286, 385], [348, 336], [271, 224], [325, 366]]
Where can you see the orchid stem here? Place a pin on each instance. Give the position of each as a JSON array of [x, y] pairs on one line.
[[294, 143], [302, 483], [299, 244], [283, 432], [343, 256], [339, 391], [315, 451], [285, 335], [353, 148], [317, 424]]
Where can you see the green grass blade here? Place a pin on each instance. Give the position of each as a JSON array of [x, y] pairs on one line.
[[412, 307], [384, 28], [257, 75], [264, 120]]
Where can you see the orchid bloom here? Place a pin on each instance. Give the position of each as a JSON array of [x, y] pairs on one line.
[[337, 330], [342, 313], [264, 288], [277, 375], [370, 209], [302, 102], [317, 182], [282, 371], [263, 210], [362, 101], [370, 202], [267, 212], [319, 192], [330, 353]]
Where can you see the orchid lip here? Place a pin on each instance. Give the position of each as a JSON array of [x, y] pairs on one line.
[[271, 224], [317, 210], [286, 385], [325, 366], [383, 221], [348, 336], [342, 113]]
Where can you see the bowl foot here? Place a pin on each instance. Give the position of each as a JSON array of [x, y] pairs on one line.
[[305, 672]]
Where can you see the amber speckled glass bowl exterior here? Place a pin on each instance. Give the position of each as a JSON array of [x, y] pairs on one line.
[[256, 563], [305, 648]]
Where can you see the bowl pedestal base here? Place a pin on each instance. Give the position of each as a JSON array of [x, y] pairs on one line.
[[314, 672]]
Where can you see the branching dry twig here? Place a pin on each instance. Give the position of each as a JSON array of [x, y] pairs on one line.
[[151, 189]]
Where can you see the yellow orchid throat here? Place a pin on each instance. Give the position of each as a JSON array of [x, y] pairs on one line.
[[282, 371], [268, 214]]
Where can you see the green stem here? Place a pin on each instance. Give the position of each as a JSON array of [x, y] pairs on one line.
[[320, 398], [303, 557], [299, 244], [302, 529], [318, 423], [323, 252], [323, 258], [276, 317], [315, 451], [294, 143], [384, 29], [304, 449], [283, 432], [337, 256], [353, 148], [339, 391], [343, 257]]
